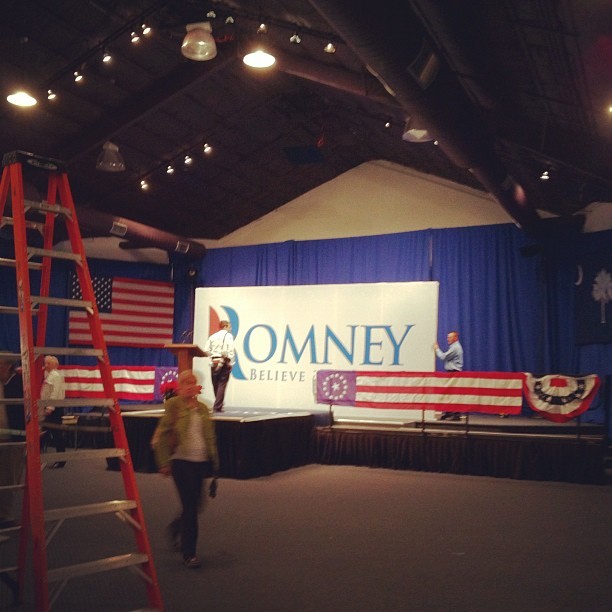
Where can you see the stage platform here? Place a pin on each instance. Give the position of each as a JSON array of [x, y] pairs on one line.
[[260, 441], [251, 443], [513, 447]]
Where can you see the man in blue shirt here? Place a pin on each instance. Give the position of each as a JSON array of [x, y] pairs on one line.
[[453, 362]]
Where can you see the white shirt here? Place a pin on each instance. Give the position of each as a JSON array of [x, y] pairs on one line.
[[221, 344], [54, 386]]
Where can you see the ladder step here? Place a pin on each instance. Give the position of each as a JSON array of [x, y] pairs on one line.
[[77, 455], [77, 402], [45, 207], [15, 310], [13, 487], [64, 350], [54, 301], [116, 505], [8, 570], [36, 252], [11, 400], [29, 224], [12, 263], [10, 356], [94, 567]]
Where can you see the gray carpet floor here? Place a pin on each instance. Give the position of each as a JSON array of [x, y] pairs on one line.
[[343, 538]]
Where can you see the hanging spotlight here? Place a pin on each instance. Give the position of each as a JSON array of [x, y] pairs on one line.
[[329, 47], [199, 44], [295, 39], [21, 98], [207, 149], [258, 56], [144, 185], [78, 76], [188, 160], [170, 170], [51, 95], [146, 30], [107, 57], [544, 176], [134, 37], [110, 160]]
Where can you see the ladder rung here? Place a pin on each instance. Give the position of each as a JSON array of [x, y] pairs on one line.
[[11, 488], [11, 263], [29, 224], [77, 402], [15, 310], [13, 432], [8, 570], [45, 207], [11, 400], [54, 301], [96, 453], [36, 252], [10, 356], [94, 567], [116, 505], [64, 350]]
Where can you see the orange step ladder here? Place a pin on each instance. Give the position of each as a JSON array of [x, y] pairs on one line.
[[49, 582]]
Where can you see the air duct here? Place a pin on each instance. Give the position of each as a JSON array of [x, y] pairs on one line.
[[137, 235], [394, 46]]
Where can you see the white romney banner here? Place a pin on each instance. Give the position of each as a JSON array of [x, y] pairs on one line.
[[285, 334]]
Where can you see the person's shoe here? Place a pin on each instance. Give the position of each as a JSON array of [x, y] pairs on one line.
[[192, 563]]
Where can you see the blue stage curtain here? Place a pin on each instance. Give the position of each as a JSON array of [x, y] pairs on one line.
[[389, 258], [490, 294]]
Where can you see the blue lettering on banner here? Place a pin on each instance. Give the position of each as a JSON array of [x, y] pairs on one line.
[[262, 344]]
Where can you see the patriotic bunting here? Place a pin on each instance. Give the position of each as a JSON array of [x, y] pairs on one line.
[[560, 398]]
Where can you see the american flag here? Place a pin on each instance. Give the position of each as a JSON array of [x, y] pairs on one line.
[[135, 383], [487, 392], [133, 312]]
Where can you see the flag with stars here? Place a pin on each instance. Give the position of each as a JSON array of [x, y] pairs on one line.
[[487, 392], [133, 312]]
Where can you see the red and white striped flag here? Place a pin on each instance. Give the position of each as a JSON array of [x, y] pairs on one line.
[[135, 383], [133, 312], [487, 392]]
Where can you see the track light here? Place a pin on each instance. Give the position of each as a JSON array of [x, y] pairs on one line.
[[170, 170], [78, 76], [51, 95], [295, 39], [134, 37], [144, 185], [329, 47], [107, 57]]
